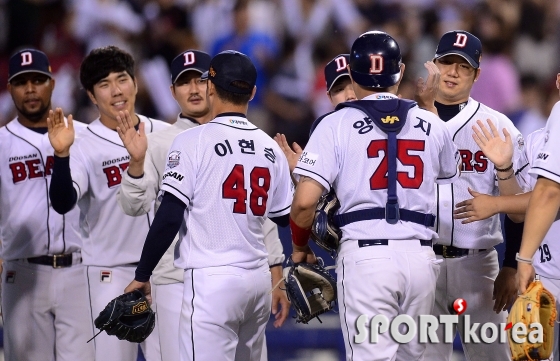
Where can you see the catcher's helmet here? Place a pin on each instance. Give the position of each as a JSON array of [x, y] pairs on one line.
[[375, 60]]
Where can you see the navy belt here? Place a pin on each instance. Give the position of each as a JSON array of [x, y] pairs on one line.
[[56, 261], [454, 252], [385, 242]]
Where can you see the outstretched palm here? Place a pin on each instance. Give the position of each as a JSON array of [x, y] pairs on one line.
[[498, 150], [135, 142], [60, 135]]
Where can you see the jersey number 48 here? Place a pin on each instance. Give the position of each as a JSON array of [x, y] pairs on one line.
[[234, 188]]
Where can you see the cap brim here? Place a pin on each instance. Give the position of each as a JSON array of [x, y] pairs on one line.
[[30, 71], [335, 80], [463, 55], [204, 75], [185, 70]]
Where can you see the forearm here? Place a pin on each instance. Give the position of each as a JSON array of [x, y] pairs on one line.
[[62, 194], [508, 186], [276, 273], [272, 244], [541, 213], [136, 195], [166, 224], [513, 232]]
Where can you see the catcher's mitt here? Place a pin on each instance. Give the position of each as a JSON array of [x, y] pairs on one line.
[[310, 288], [536, 304], [323, 231], [129, 317]]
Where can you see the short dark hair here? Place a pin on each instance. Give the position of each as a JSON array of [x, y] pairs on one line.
[[234, 98], [100, 62]]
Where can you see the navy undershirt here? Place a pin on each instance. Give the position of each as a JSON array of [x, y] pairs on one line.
[[447, 112]]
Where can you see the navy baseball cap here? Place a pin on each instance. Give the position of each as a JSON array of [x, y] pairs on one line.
[[29, 61], [336, 69], [230, 66], [462, 43], [189, 60]]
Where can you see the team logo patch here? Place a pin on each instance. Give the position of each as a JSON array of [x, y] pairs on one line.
[[139, 308], [173, 159], [390, 119], [212, 72], [308, 158], [174, 176], [106, 276], [520, 141], [10, 277]]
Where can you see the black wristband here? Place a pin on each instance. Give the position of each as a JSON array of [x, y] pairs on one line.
[[513, 234], [503, 169]]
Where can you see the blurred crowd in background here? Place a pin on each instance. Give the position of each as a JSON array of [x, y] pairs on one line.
[[289, 41]]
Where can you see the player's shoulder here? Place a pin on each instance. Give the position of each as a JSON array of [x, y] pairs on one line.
[[317, 121], [485, 112], [152, 125]]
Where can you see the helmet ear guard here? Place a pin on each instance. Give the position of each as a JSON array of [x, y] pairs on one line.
[[375, 60]]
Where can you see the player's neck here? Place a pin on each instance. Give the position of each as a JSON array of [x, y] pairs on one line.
[[220, 107], [112, 124], [198, 119], [26, 122], [451, 101]]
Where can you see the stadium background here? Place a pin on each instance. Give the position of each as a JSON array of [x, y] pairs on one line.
[[290, 41]]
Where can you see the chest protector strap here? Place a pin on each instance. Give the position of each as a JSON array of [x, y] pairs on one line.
[[389, 116]]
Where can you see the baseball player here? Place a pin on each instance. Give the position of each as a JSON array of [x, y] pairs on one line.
[[385, 264], [469, 260], [140, 185], [230, 176], [44, 289], [89, 174]]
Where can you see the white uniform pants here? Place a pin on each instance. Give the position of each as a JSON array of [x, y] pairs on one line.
[[106, 283], [224, 313], [391, 280], [472, 279], [46, 313], [168, 300]]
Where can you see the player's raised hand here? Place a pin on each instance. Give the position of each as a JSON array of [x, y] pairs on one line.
[[61, 136], [498, 150], [292, 154], [426, 91], [505, 289], [134, 141], [145, 287], [480, 207], [525, 275]]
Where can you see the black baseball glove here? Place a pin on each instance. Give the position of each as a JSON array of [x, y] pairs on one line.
[[323, 231], [129, 317], [310, 288]]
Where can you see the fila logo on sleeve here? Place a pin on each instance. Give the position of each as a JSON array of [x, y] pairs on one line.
[[29, 167], [461, 41]]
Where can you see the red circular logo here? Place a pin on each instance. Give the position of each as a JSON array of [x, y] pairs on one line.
[[460, 306]]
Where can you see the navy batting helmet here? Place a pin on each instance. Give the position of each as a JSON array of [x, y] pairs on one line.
[[375, 60]]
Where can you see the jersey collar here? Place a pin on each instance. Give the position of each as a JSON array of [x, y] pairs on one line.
[[235, 120], [381, 96], [99, 129]]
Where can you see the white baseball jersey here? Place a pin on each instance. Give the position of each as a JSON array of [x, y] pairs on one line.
[[231, 176], [543, 155], [29, 226], [136, 196], [97, 162], [349, 154], [477, 172]]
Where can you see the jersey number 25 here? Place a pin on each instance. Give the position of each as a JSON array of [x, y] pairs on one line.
[[234, 188], [379, 178]]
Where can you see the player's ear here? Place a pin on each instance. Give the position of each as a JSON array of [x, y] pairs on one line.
[[92, 97], [172, 89], [253, 93], [52, 83], [558, 81], [476, 74]]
